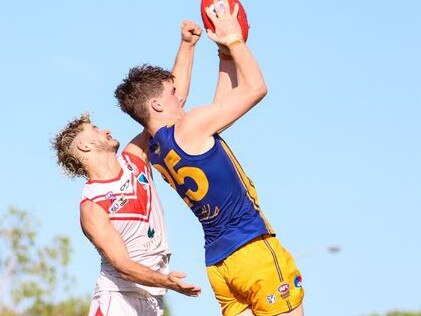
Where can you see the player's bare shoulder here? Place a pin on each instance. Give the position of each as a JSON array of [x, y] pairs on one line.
[[193, 133], [139, 146]]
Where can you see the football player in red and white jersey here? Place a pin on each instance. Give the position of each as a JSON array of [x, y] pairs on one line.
[[120, 212]]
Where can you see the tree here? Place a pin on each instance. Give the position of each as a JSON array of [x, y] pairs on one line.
[[399, 313], [31, 274]]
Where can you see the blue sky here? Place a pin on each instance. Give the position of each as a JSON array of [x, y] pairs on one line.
[[334, 148]]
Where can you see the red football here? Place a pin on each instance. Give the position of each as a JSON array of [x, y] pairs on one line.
[[242, 16]]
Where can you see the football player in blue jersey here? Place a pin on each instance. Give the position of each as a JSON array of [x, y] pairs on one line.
[[249, 270]]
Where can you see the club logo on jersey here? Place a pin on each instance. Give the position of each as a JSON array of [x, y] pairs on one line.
[[156, 149], [118, 204], [151, 232], [110, 196], [271, 299], [284, 290], [132, 167], [206, 213], [143, 180], [125, 185], [298, 281], [153, 242]]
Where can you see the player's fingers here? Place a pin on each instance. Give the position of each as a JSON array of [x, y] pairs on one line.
[[226, 6], [191, 25], [193, 294], [186, 286], [193, 290], [211, 15], [212, 36], [186, 26], [197, 30], [219, 7], [236, 9]]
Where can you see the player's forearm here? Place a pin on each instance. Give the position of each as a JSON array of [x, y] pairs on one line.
[[250, 77], [227, 78], [134, 272], [182, 70]]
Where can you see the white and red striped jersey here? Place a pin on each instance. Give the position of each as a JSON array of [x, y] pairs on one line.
[[134, 209]]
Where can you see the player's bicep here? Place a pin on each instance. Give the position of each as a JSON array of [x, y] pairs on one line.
[[98, 228], [210, 119]]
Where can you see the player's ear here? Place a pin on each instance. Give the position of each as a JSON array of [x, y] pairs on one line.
[[83, 145], [155, 105]]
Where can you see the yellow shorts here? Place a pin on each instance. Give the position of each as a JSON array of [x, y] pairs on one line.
[[260, 275]]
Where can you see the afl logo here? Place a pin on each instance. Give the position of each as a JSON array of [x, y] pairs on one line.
[[283, 289]]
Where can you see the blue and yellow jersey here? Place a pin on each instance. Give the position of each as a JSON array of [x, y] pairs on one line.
[[215, 188]]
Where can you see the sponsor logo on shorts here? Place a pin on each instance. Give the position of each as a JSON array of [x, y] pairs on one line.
[[271, 299], [298, 281], [284, 290]]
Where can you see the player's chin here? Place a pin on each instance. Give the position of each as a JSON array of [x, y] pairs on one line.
[[115, 145]]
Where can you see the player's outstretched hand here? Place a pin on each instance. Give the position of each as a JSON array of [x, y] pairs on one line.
[[190, 32], [226, 23], [180, 286]]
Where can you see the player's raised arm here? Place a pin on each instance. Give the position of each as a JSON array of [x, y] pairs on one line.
[[182, 70], [251, 88], [227, 75]]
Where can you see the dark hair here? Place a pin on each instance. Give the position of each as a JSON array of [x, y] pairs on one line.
[[141, 84]]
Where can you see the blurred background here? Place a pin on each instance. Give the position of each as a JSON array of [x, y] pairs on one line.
[[334, 148]]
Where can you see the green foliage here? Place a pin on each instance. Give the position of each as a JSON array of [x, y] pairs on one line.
[[399, 313], [74, 306], [31, 274], [166, 309], [396, 313]]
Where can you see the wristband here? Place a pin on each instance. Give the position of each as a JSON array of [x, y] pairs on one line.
[[233, 40]]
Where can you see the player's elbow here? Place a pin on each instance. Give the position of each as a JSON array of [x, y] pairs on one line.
[[259, 92], [262, 90]]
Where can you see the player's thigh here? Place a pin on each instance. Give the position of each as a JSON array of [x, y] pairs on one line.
[[295, 312], [264, 273], [231, 303], [246, 312], [299, 311]]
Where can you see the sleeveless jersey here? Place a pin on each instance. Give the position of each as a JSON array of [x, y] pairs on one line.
[[215, 188], [133, 207]]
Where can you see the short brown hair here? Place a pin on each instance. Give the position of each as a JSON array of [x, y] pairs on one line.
[[62, 144], [141, 84]]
